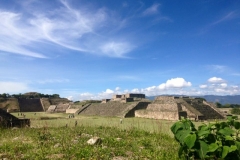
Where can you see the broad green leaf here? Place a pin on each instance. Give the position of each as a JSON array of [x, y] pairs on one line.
[[176, 126], [190, 140], [232, 148], [229, 138], [180, 135], [226, 131], [203, 133], [203, 149], [237, 125], [225, 151], [188, 125], [203, 127], [212, 147]]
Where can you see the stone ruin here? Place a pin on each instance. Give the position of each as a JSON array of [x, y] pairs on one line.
[[7, 120], [173, 108], [163, 107], [62, 107], [124, 98]]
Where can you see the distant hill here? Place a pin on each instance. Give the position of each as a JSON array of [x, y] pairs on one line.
[[228, 99], [223, 99]]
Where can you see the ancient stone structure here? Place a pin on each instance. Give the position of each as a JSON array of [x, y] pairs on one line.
[[8, 120], [113, 109], [58, 108], [173, 108], [124, 98], [30, 105], [133, 95], [163, 107]]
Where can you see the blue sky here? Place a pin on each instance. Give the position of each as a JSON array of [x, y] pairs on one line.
[[93, 49]]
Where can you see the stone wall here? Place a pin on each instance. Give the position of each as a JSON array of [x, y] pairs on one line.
[[51, 108], [171, 107], [157, 114], [30, 105], [61, 108], [130, 112], [112, 108], [8, 120], [45, 103], [71, 110], [10, 104]]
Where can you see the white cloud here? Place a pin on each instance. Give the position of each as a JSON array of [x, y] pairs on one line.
[[223, 85], [151, 10], [64, 26], [14, 36], [13, 87], [203, 86], [177, 86], [235, 87], [215, 80], [220, 90], [177, 83], [150, 88], [162, 86], [116, 49], [135, 90], [109, 91]]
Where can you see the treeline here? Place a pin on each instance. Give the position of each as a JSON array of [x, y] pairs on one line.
[[29, 95], [235, 108], [219, 105]]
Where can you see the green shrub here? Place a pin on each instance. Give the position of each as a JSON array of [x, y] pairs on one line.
[[218, 140], [235, 111]]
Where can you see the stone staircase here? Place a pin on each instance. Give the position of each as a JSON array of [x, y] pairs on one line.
[[61, 107], [30, 105], [206, 110], [83, 108], [110, 109]]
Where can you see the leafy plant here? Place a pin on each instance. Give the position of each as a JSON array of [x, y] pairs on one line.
[[219, 140], [235, 111]]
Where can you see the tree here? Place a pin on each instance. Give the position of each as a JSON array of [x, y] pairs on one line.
[[219, 105], [235, 111]]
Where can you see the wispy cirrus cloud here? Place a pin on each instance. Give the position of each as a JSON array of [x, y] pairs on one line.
[[228, 16], [63, 26], [151, 10], [217, 68]]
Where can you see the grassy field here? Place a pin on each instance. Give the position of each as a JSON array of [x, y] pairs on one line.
[[55, 136]]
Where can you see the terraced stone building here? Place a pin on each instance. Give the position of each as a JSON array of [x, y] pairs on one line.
[[163, 107], [173, 108]]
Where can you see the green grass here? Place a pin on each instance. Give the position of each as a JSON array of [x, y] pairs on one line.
[[135, 138]]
